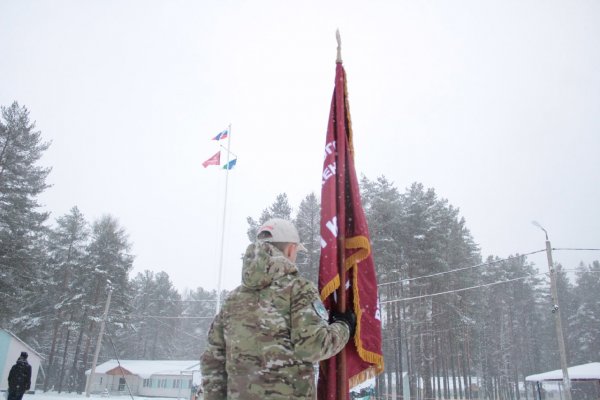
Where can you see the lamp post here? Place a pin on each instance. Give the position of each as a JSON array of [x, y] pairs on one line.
[[557, 319]]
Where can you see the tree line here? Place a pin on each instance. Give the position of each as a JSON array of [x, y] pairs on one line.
[[55, 277], [439, 340]]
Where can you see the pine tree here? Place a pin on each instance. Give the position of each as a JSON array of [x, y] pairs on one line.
[[199, 307], [508, 316], [107, 265], [279, 209], [416, 234], [381, 202], [66, 248], [21, 223], [307, 222], [584, 323], [423, 236], [152, 333]]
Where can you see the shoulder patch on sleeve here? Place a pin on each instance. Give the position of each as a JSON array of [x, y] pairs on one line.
[[321, 310]]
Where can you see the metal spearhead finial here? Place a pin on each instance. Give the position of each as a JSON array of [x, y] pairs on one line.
[[339, 46]]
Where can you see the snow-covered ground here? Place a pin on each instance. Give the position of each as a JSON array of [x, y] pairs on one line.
[[39, 395]]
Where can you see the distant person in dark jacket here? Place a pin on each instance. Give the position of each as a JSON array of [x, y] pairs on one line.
[[19, 378]]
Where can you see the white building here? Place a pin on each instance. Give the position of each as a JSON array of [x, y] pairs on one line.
[[585, 382], [10, 349], [158, 378]]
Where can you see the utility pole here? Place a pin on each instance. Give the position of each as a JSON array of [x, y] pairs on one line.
[[557, 319], [88, 386]]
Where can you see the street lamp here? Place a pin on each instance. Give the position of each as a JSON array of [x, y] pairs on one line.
[[557, 319]]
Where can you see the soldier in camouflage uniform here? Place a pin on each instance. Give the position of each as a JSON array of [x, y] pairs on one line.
[[273, 328]]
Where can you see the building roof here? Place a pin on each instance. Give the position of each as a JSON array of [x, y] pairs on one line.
[[581, 372], [31, 349], [146, 368]]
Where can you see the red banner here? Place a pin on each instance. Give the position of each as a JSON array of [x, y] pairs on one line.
[[345, 241], [214, 160]]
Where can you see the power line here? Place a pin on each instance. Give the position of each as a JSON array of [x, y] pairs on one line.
[[574, 249], [182, 331], [166, 317], [464, 268], [182, 301], [395, 300], [585, 271], [463, 289]]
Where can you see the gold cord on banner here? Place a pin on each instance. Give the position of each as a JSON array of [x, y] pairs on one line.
[[362, 243], [363, 246]]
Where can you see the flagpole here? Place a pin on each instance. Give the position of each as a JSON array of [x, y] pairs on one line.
[[218, 308], [342, 380]]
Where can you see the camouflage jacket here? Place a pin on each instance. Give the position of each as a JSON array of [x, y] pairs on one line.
[[269, 333]]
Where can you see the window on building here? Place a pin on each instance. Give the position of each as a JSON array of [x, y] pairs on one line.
[[190, 384], [148, 383], [162, 383], [176, 383]]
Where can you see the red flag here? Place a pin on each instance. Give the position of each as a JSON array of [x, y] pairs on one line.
[[214, 160], [345, 239]]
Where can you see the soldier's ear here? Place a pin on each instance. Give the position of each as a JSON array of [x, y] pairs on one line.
[[290, 251], [287, 251]]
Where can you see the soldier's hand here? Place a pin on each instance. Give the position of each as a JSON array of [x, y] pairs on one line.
[[348, 317]]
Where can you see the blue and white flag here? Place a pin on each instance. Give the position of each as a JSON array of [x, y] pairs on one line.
[[230, 164]]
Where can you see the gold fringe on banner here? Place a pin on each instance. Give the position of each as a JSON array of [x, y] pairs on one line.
[[356, 242], [330, 287], [361, 243], [363, 246], [364, 249], [363, 376]]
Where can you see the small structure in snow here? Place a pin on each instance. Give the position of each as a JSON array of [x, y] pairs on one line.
[[585, 381], [156, 378], [10, 349]]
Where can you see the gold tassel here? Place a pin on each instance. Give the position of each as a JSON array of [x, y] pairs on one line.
[[331, 287], [364, 249]]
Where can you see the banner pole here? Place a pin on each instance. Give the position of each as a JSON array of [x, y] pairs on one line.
[[342, 380], [218, 308]]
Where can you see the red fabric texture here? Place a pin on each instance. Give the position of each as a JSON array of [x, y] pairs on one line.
[[343, 221], [214, 160]]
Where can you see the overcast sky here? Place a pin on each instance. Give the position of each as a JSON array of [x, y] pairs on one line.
[[495, 104]]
